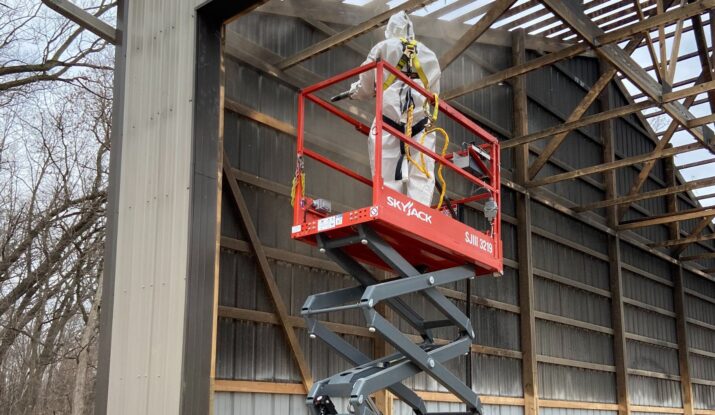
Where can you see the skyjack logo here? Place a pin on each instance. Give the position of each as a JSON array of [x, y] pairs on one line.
[[409, 209]]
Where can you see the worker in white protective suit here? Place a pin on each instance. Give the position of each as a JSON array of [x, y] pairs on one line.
[[399, 44]]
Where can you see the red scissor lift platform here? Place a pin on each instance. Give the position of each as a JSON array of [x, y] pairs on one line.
[[423, 246], [423, 235]]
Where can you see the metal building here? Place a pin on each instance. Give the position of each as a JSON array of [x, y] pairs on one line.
[[608, 300]]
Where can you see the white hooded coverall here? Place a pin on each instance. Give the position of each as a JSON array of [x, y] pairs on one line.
[[396, 99]]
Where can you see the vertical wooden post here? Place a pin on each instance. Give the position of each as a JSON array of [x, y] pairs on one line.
[[614, 254], [525, 254], [681, 327], [383, 398]]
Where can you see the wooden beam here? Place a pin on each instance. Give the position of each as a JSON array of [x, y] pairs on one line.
[[705, 61], [695, 184], [675, 51], [529, 374], [350, 33], [706, 196], [516, 70], [295, 321], [697, 230], [697, 122], [685, 241], [614, 255], [84, 19], [696, 164], [681, 326], [629, 161], [496, 10], [699, 257], [267, 274], [661, 43], [667, 218], [687, 92], [649, 43], [253, 386], [579, 123]]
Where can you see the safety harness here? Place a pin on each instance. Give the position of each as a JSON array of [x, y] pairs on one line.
[[409, 64]]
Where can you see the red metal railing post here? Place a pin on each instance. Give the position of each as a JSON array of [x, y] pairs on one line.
[[377, 181], [297, 208]]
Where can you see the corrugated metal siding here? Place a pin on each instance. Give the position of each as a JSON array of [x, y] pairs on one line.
[[654, 392], [569, 262], [562, 300], [701, 338], [650, 324], [704, 396], [574, 384], [643, 260], [576, 231], [445, 407], [564, 411], [559, 340], [650, 357], [699, 309], [645, 290], [153, 225], [260, 403], [703, 367]]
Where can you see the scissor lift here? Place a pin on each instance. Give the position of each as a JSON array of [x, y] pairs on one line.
[[424, 247]]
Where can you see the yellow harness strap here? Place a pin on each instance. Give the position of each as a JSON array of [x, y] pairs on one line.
[[409, 57]]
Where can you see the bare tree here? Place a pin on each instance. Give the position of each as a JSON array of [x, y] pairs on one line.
[[55, 119]]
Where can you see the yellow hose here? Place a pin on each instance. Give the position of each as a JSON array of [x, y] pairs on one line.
[[422, 164], [439, 169]]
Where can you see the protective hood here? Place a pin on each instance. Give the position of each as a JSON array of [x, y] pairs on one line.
[[399, 26]]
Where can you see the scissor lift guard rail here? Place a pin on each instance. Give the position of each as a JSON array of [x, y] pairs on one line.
[[422, 246]]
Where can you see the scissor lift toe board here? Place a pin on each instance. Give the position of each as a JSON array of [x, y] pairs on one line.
[[424, 247]]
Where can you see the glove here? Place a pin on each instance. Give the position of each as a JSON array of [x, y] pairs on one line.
[[354, 88]]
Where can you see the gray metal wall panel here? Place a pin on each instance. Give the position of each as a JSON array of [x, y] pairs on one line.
[[647, 291], [260, 403], [504, 289], [559, 340], [568, 262], [492, 375], [646, 261], [550, 220], [649, 324], [704, 396], [701, 338], [568, 383], [654, 392], [495, 328], [699, 309], [650, 357], [400, 408], [576, 191], [564, 411], [562, 300], [702, 367]]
